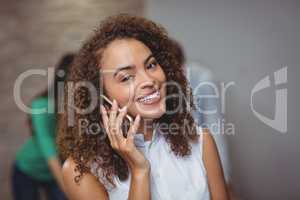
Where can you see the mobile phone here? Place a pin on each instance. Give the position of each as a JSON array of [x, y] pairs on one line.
[[127, 123]]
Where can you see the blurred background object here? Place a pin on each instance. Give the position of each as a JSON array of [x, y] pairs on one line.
[[36, 170], [239, 41]]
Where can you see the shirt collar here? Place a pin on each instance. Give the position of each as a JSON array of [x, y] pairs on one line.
[[140, 140]]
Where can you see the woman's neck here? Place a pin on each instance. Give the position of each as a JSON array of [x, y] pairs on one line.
[[146, 127]]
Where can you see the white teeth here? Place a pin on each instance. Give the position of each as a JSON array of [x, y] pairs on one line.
[[149, 97]]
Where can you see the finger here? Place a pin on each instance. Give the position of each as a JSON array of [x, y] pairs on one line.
[[105, 121], [113, 113], [114, 129], [133, 129], [104, 117], [119, 122]]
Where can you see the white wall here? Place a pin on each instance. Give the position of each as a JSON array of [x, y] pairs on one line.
[[244, 41]]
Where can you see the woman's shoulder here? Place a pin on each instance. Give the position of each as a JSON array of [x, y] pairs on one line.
[[88, 187], [69, 168], [204, 133], [205, 140], [205, 137]]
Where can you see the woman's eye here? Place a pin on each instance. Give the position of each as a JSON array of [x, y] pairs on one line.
[[152, 65], [126, 78]]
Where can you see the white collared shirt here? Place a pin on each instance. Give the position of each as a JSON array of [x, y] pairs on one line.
[[172, 177]]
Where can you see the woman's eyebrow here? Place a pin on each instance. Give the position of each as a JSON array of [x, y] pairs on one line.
[[122, 68], [130, 66], [148, 58]]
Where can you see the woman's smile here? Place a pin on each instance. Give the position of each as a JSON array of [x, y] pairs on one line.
[[150, 99]]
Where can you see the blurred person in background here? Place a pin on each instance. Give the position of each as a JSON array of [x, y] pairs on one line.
[[37, 164]]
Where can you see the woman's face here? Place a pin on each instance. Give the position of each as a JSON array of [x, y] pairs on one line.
[[132, 76]]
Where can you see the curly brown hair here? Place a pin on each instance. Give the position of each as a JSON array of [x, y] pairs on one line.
[[87, 148]]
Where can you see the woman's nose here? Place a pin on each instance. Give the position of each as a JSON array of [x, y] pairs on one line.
[[144, 76], [147, 85]]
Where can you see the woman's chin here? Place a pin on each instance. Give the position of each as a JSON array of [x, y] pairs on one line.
[[153, 111], [153, 115]]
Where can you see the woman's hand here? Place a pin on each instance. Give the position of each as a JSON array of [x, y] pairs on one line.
[[125, 147]]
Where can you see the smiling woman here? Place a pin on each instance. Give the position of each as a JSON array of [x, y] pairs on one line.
[[139, 75], [133, 62]]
